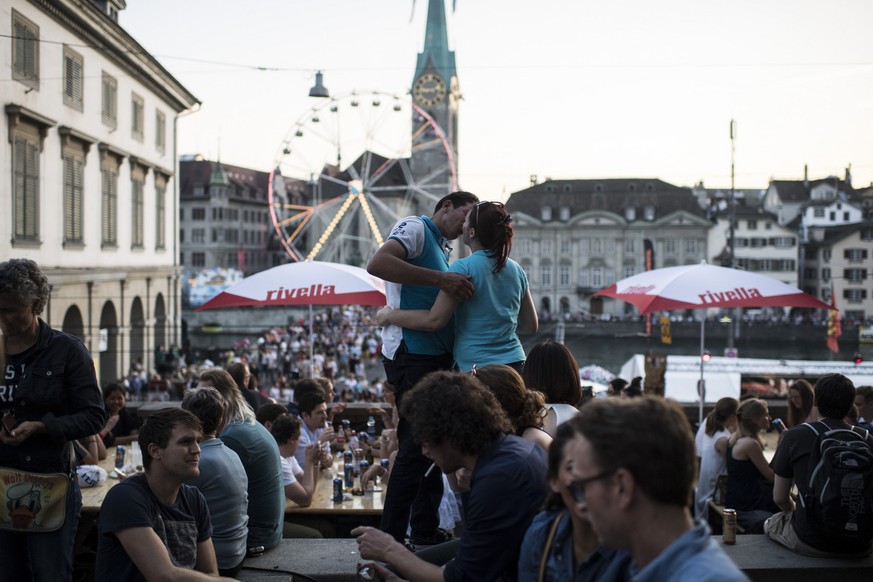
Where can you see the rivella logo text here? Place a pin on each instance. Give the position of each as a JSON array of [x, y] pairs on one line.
[[732, 295], [282, 294]]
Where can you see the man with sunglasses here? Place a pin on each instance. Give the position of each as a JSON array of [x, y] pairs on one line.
[[414, 262], [635, 462]]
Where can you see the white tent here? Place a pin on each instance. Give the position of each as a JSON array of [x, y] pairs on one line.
[[724, 375]]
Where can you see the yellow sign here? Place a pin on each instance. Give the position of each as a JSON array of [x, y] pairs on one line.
[[666, 338]]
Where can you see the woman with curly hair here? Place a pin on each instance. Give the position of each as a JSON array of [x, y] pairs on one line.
[[800, 404], [49, 397], [523, 407], [487, 324]]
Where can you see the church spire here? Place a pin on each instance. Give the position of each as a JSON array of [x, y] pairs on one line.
[[436, 54]]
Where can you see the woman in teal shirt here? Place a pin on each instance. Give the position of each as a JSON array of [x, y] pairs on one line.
[[486, 325]]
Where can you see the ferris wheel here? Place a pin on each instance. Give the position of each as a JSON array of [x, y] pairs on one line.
[[349, 168]]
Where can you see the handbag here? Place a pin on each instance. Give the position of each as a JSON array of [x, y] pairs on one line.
[[548, 545], [32, 502]]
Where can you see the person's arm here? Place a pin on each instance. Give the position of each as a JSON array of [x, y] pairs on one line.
[[527, 315], [308, 478], [426, 320], [721, 446], [90, 445], [206, 560], [102, 453], [782, 493], [150, 556], [389, 263], [127, 439], [378, 545]]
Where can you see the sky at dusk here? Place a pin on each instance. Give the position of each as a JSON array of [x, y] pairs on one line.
[[553, 88]]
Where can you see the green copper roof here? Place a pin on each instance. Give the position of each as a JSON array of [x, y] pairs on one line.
[[436, 54], [218, 176]]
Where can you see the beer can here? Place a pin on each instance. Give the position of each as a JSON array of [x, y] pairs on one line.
[[346, 424], [780, 426], [338, 490], [349, 474], [729, 526], [359, 454], [384, 463], [348, 457], [119, 456]]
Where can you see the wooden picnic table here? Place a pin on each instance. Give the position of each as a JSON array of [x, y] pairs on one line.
[[92, 497], [370, 503]]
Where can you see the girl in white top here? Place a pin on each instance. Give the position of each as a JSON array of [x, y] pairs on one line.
[[711, 441], [551, 369]]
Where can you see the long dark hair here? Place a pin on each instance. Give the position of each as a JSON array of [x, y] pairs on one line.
[[798, 415], [494, 230]]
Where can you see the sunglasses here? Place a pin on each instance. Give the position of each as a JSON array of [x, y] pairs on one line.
[[476, 209], [577, 488]]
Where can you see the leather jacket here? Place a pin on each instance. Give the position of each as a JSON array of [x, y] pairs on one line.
[[59, 388]]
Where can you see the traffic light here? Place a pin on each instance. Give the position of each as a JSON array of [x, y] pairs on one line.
[[706, 356], [857, 359]]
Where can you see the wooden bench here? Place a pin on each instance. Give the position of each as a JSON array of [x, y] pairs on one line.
[[325, 560], [763, 560]]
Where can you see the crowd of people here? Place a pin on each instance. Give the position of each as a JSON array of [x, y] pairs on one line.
[[548, 482]]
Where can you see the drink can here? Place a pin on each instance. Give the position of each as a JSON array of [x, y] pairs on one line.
[[359, 454], [384, 463], [346, 424], [348, 457], [780, 426], [119, 456], [349, 474], [338, 490], [729, 526]]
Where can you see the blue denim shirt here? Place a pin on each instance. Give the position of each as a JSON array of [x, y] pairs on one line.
[[59, 388], [694, 557], [603, 564]]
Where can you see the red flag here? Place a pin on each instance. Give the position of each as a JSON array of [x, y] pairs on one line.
[[834, 328]]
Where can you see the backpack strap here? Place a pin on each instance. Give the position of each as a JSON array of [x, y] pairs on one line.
[[812, 428]]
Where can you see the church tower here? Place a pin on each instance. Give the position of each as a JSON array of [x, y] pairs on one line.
[[435, 90]]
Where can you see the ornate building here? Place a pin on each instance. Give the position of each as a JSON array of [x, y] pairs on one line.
[[90, 169], [574, 237]]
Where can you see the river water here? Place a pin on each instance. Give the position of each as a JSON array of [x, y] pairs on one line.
[[611, 344]]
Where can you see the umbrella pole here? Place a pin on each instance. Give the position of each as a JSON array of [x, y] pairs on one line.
[[701, 385], [311, 341]]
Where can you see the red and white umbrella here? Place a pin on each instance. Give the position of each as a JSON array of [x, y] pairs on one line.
[[304, 283], [706, 286]]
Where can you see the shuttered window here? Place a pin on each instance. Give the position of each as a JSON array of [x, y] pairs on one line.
[[137, 122], [73, 66], [73, 178], [109, 198], [160, 131], [25, 51], [137, 207], [25, 199], [109, 101], [160, 211]]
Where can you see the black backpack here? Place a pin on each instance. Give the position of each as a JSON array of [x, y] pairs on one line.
[[838, 502]]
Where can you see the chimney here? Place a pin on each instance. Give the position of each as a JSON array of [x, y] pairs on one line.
[[806, 175], [849, 176]]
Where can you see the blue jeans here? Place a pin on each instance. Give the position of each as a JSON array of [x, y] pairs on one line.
[[412, 500], [42, 556]]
